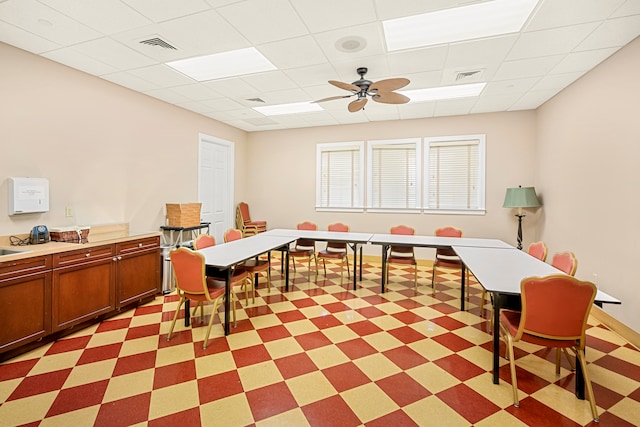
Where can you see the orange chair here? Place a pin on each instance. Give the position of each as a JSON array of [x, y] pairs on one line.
[[538, 250], [446, 257], [192, 284], [336, 251], [305, 248], [250, 266], [565, 262], [204, 241], [547, 320], [245, 224], [402, 255]]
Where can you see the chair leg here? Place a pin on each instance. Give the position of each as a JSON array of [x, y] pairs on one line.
[[346, 260], [269, 279], [512, 365], [433, 276], [566, 353], [175, 317], [216, 303], [587, 382], [415, 276]]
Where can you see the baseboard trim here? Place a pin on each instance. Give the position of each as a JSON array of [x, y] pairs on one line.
[[616, 326]]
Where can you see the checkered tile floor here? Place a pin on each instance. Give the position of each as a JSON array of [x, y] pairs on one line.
[[319, 355]]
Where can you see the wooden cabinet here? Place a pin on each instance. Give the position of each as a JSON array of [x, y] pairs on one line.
[[25, 301], [138, 270], [83, 285]]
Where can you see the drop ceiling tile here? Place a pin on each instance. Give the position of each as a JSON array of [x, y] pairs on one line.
[[490, 51], [347, 70], [162, 75], [197, 92], [293, 53], [490, 104], [163, 10], [257, 22], [195, 106], [630, 7], [506, 87], [532, 100], [371, 33], [167, 95], [245, 113], [71, 58], [612, 33], [108, 17], [234, 87], [345, 117], [25, 40], [552, 14], [45, 22], [381, 112], [417, 110], [556, 81], [454, 107], [270, 81], [582, 61], [113, 53], [327, 15], [313, 75], [527, 67], [423, 80], [550, 42], [389, 9], [124, 78], [417, 60], [221, 104], [285, 96]]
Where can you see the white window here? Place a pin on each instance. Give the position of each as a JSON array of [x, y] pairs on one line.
[[393, 177], [339, 176], [454, 181]]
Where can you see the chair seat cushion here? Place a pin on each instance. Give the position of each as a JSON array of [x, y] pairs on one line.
[[511, 320], [255, 223], [332, 254], [255, 265], [401, 260]]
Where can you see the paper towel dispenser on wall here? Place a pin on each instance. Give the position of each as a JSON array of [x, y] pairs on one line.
[[28, 195]]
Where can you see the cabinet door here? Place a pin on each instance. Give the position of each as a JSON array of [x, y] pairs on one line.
[[25, 304], [138, 276], [83, 291]]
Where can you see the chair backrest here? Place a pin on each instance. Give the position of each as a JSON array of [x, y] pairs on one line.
[[545, 312], [337, 246], [402, 250], [244, 212], [565, 262], [306, 243], [538, 250], [447, 231], [232, 234], [204, 241], [189, 270]]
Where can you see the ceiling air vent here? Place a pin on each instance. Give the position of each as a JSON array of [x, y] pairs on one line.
[[157, 41], [255, 100], [465, 75]]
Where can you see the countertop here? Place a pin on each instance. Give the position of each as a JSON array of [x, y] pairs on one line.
[[56, 247]]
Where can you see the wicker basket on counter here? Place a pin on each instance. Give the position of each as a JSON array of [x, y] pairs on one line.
[[70, 234], [183, 214]]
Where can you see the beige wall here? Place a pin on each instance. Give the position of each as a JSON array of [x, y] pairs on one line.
[[588, 174], [112, 154], [287, 160]]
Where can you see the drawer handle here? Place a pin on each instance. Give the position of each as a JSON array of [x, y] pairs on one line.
[[114, 259], [139, 245], [87, 254], [119, 258]]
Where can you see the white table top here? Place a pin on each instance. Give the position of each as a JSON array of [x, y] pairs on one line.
[[321, 235], [227, 254], [436, 241], [501, 270]]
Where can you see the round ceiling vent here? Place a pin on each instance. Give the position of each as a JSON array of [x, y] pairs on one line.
[[351, 44]]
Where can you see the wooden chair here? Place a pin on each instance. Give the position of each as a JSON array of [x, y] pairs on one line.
[[547, 320], [446, 257], [538, 250], [244, 222], [305, 248], [192, 284], [336, 251], [251, 266], [402, 255]]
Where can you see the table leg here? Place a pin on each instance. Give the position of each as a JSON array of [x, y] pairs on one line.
[[361, 263], [187, 312], [496, 338], [227, 300], [355, 264], [286, 270], [384, 265], [463, 269], [579, 379]]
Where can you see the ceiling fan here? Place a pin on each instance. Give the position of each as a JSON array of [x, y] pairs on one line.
[[380, 91]]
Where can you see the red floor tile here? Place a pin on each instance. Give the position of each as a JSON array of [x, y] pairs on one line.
[[453, 342], [443, 307], [403, 389], [345, 376], [600, 345], [312, 340], [290, 316], [620, 366], [82, 396], [97, 354], [173, 374], [68, 344], [409, 304], [294, 365], [260, 310], [336, 307], [459, 367], [124, 412], [527, 382], [135, 363], [273, 333], [408, 317], [148, 309], [356, 348], [448, 323], [364, 328], [406, 334], [326, 321], [396, 418], [112, 325], [533, 413], [250, 355], [190, 417], [219, 386], [371, 312], [143, 331], [404, 357], [271, 400], [41, 383], [468, 403], [11, 370], [332, 411]]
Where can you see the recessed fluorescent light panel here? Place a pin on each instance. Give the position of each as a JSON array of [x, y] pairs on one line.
[[444, 92], [282, 109], [225, 64], [474, 21]]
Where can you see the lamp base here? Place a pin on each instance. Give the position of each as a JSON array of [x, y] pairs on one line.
[[520, 230]]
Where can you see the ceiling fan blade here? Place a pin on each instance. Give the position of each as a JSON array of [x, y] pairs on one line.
[[389, 84], [331, 98], [345, 86], [390, 98], [357, 105]]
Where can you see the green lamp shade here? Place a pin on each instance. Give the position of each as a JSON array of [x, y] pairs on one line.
[[521, 197]]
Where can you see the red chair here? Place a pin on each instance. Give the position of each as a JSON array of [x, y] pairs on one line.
[[305, 248], [245, 224], [192, 284], [402, 255], [565, 262], [547, 320], [336, 251], [538, 250], [251, 266], [204, 241], [446, 257]]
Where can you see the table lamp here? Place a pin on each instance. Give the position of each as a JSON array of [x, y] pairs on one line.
[[521, 197]]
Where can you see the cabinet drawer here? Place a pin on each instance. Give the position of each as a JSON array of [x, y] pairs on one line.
[[20, 267], [137, 245], [83, 255]]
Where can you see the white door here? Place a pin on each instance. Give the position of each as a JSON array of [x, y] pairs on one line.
[[215, 184]]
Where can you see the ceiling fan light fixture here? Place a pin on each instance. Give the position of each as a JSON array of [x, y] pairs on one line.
[[444, 92], [469, 22]]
